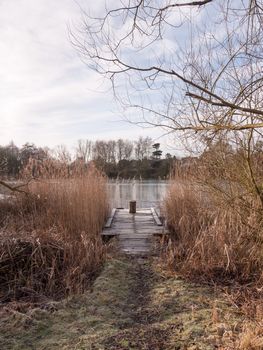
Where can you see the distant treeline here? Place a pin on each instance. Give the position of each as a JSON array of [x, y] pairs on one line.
[[122, 158], [141, 159]]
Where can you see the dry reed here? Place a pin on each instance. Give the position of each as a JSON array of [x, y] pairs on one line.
[[50, 238], [214, 210], [212, 243], [210, 238]]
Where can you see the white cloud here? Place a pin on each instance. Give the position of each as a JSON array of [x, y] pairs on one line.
[[45, 88], [47, 95]]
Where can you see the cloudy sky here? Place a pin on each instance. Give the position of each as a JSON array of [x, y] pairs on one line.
[[47, 95]]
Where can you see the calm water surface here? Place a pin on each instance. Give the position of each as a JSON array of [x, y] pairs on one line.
[[147, 193]]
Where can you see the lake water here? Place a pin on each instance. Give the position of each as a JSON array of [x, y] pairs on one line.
[[147, 193]]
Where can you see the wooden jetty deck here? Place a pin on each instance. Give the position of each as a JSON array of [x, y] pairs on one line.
[[135, 232]]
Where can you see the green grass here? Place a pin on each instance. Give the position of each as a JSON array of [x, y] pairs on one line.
[[133, 304]]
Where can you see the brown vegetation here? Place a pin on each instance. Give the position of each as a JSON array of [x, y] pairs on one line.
[[213, 239], [215, 214], [50, 243], [134, 304]]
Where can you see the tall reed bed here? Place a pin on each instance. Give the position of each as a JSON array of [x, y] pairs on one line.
[[215, 233], [219, 238], [50, 237]]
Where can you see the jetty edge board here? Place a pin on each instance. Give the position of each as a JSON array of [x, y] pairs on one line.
[[109, 221], [156, 217]]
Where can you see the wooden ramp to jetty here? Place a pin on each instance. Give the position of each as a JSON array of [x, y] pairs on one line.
[[135, 232]]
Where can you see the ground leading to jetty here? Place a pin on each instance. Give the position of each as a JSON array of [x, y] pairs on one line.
[[134, 304]]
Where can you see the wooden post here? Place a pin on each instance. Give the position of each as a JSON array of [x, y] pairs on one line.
[[132, 207]]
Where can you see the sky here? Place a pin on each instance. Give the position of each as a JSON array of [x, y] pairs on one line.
[[47, 95]]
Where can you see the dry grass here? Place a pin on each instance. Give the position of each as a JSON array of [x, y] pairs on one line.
[[217, 236], [211, 238], [50, 242], [132, 305], [251, 337]]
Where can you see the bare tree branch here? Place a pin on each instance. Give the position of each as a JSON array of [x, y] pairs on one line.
[[16, 188], [214, 84]]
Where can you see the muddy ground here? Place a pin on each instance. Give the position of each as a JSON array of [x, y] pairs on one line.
[[134, 304]]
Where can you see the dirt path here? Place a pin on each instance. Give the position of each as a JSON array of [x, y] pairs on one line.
[[142, 333], [134, 304]]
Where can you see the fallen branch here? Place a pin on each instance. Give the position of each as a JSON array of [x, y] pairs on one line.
[[15, 188]]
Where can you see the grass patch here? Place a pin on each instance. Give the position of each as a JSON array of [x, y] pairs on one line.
[[133, 304]]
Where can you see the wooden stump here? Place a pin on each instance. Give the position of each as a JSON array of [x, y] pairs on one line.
[[132, 207]]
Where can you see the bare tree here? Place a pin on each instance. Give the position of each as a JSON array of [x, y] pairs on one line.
[[84, 150], [124, 149], [143, 147], [120, 150], [210, 81], [100, 151], [111, 146], [190, 67], [62, 154], [128, 149]]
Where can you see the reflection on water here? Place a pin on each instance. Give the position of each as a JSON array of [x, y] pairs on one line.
[[147, 193]]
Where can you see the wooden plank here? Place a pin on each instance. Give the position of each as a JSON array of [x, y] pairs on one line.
[[135, 237], [151, 231], [129, 226], [135, 245], [109, 221], [161, 232], [144, 223], [135, 232], [136, 251], [143, 218], [109, 233], [156, 217]]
